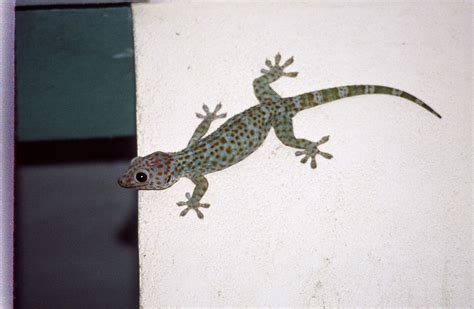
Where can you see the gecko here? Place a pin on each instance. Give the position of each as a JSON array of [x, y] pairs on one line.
[[242, 135]]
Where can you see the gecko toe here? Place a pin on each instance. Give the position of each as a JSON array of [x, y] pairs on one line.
[[185, 211], [199, 213], [277, 59], [290, 74], [326, 155]]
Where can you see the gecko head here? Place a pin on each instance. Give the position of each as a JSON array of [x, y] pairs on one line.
[[156, 171]]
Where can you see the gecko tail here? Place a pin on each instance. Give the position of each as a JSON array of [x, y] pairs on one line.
[[315, 98]]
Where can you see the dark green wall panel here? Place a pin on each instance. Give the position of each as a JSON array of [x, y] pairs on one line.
[[75, 75]]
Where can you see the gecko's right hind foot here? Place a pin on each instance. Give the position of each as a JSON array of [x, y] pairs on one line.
[[211, 116], [192, 204], [277, 69], [312, 150]]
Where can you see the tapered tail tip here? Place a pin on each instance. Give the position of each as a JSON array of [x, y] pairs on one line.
[[436, 114], [428, 108]]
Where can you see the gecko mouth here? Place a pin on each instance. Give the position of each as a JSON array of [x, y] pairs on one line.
[[120, 183], [138, 186], [123, 184]]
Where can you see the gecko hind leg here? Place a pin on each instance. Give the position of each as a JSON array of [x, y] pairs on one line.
[[261, 85], [284, 130]]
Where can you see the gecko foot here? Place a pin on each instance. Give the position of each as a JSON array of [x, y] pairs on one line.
[[211, 116], [192, 204], [277, 69], [312, 150]]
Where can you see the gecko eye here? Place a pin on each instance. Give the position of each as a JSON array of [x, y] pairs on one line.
[[141, 177]]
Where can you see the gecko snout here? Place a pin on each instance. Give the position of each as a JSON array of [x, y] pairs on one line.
[[122, 182]]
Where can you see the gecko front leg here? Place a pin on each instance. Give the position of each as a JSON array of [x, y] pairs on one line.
[[193, 201], [207, 119]]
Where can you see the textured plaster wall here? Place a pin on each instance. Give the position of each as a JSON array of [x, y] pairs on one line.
[[386, 222]]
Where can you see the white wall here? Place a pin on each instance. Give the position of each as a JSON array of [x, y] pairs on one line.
[[386, 222]]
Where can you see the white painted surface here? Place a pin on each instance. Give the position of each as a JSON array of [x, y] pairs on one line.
[[7, 28], [386, 222]]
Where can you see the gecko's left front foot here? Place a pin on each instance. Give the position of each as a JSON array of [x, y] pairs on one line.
[[312, 150], [211, 116], [192, 204]]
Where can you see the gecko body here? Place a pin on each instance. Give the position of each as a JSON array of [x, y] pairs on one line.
[[241, 135]]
